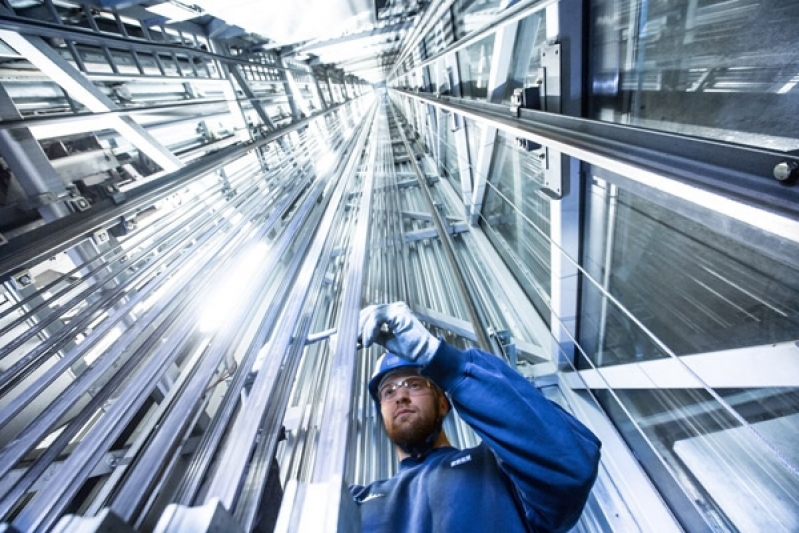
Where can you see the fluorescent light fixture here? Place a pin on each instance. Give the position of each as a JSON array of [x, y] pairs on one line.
[[175, 11]]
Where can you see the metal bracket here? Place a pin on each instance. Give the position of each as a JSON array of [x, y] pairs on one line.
[[525, 98], [552, 174], [22, 279], [505, 342], [100, 236], [78, 204], [549, 75], [127, 224]]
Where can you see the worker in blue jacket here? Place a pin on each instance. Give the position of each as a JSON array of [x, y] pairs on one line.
[[532, 471]]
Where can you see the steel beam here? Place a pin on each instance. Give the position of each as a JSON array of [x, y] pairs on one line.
[[38, 52], [41, 243], [316, 46]]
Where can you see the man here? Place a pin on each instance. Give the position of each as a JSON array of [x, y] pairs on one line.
[[532, 471]]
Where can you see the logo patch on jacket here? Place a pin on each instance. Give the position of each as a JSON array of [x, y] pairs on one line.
[[372, 497], [461, 460]]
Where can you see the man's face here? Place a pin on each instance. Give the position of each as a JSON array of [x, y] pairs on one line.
[[410, 418]]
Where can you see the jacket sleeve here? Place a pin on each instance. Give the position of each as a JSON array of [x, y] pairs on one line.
[[550, 457]]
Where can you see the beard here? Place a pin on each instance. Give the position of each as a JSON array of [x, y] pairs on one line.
[[413, 434]]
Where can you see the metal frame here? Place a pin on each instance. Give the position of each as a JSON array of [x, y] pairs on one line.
[[40, 243], [725, 177]]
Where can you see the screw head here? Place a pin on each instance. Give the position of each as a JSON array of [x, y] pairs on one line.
[[786, 171]]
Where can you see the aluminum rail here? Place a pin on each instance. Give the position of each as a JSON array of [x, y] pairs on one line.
[[42, 242], [200, 271], [259, 304], [329, 471], [466, 297], [142, 338], [738, 177], [113, 293], [225, 483], [34, 121]]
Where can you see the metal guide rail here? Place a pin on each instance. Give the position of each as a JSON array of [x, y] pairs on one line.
[[175, 381], [117, 369]]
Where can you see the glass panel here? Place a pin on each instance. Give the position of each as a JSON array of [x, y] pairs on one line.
[[471, 15], [515, 217], [475, 64], [448, 158], [717, 69], [697, 351], [526, 60], [439, 38], [696, 290], [474, 130]]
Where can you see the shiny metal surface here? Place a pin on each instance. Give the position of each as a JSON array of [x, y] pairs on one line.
[[179, 347]]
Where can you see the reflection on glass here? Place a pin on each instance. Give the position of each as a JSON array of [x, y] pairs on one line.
[[471, 15], [722, 70], [438, 39], [526, 60], [516, 218], [697, 291], [719, 412], [448, 157], [475, 65], [474, 130]]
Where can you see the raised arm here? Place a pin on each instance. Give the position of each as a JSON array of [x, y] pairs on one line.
[[549, 455]]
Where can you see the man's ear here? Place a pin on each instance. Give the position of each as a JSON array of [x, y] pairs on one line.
[[443, 405]]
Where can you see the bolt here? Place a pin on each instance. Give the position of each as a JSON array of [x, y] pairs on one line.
[[786, 171]]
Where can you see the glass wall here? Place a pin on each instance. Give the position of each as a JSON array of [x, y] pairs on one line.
[[694, 326], [475, 65], [471, 15], [525, 63], [515, 218], [723, 70], [448, 151], [695, 335]]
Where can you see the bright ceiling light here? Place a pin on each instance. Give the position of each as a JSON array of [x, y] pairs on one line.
[[175, 11]]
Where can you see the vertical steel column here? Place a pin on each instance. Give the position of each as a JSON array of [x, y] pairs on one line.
[[564, 25], [289, 88], [317, 92], [459, 130]]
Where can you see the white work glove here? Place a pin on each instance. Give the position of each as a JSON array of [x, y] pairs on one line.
[[394, 327]]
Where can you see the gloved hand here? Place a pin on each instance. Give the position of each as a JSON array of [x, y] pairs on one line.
[[394, 327]]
